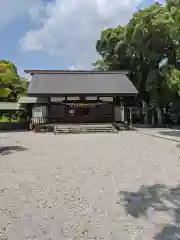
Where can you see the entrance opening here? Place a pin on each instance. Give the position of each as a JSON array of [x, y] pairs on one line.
[[81, 112]]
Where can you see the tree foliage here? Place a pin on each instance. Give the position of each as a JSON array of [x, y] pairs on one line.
[[174, 80], [150, 36], [11, 84], [100, 65]]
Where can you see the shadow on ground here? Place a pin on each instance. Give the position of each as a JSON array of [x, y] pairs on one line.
[[160, 198], [170, 133], [10, 149]]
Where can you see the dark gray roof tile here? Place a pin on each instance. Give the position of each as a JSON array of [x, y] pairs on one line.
[[89, 83]]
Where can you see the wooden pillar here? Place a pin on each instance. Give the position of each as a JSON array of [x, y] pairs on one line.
[[10, 116], [125, 114]]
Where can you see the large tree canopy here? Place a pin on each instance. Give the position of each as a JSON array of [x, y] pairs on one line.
[[11, 84], [150, 36]]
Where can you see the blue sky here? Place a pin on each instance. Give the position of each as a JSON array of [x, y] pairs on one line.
[[58, 34]]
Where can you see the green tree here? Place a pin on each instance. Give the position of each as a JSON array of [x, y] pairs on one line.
[[8, 77], [100, 65], [112, 48], [174, 81], [150, 36], [11, 84]]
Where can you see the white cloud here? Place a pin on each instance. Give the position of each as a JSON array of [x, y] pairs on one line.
[[72, 68], [10, 10], [22, 73], [69, 29]]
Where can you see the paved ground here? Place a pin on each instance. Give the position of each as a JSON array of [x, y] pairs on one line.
[[68, 186]]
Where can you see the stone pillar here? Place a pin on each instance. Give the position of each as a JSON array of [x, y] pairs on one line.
[[117, 113], [130, 117], [159, 116], [153, 117], [49, 110], [119, 110], [122, 113], [122, 110]]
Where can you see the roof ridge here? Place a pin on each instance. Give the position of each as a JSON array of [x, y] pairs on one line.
[[41, 71]]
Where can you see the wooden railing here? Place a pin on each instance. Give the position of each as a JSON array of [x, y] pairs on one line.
[[39, 120]]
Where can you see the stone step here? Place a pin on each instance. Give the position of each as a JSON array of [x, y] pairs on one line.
[[103, 128], [106, 128], [80, 131], [84, 126], [87, 129]]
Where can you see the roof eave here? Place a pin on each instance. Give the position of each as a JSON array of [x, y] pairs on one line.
[[81, 94]]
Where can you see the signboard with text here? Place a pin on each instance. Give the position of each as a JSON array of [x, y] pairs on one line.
[[82, 105]]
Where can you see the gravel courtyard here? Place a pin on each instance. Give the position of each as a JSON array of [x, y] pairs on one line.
[[71, 186]]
